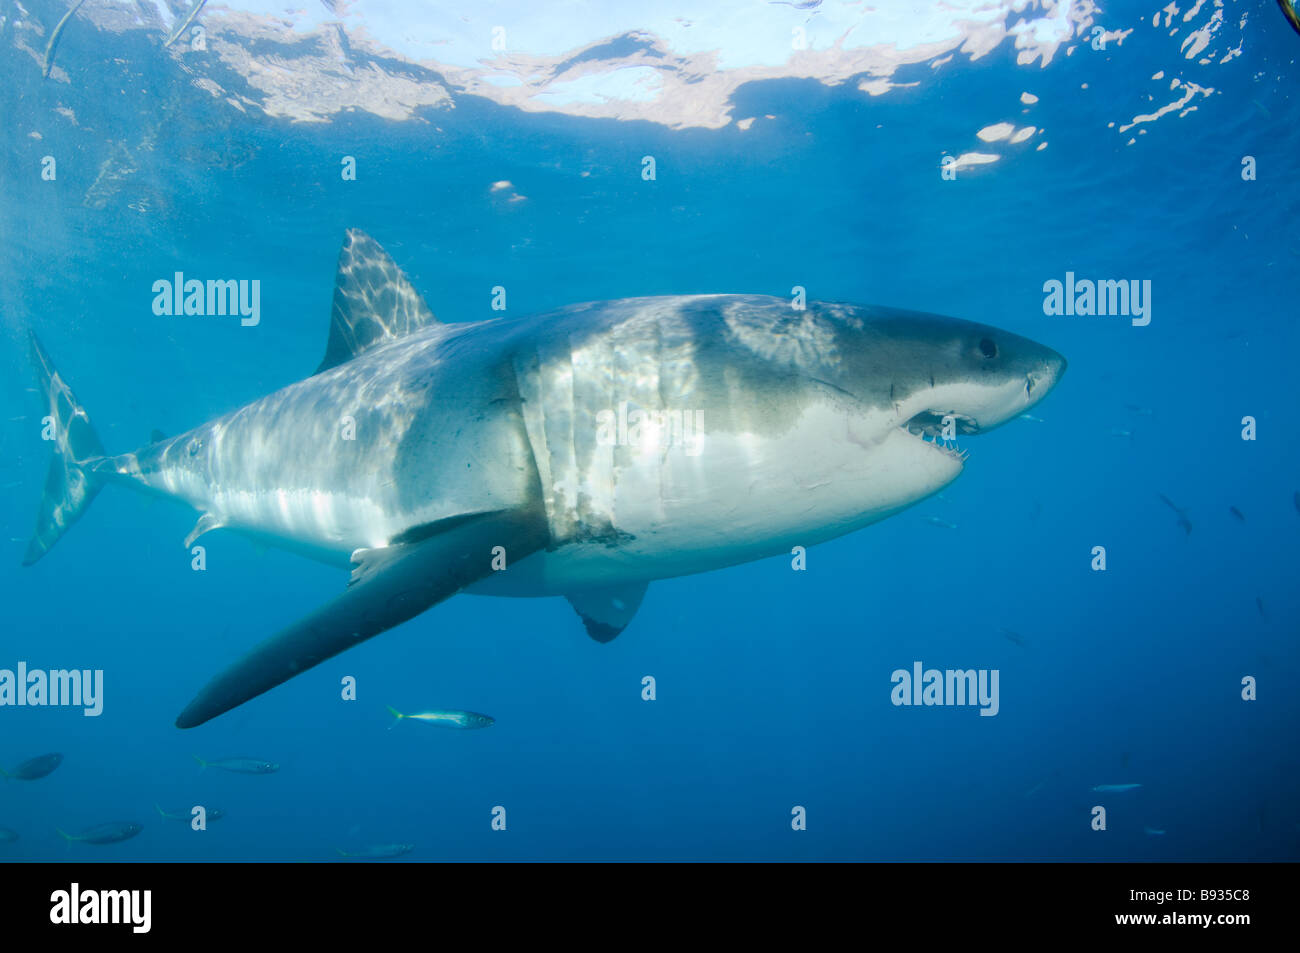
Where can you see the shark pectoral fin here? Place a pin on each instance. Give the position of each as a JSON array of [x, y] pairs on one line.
[[206, 523], [606, 612], [389, 586], [374, 302]]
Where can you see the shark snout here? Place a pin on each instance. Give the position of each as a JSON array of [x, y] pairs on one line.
[[1039, 381]]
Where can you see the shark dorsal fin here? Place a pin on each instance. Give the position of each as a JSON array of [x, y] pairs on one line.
[[374, 302]]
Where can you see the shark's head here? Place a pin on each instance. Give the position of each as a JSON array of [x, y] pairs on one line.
[[946, 377], [861, 411], [923, 383]]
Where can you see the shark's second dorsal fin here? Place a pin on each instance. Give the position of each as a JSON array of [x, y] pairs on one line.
[[373, 301]]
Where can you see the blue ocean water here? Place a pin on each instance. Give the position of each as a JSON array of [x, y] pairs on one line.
[[773, 686]]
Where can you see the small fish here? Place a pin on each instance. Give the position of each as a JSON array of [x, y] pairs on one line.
[[212, 813], [240, 765], [1115, 788], [1116, 432], [1183, 521], [1237, 513], [188, 20], [1031, 417], [1012, 636], [35, 768], [1259, 604], [1037, 787], [934, 520], [48, 63], [14, 420], [111, 833], [1153, 831], [449, 718], [7, 835], [378, 852]]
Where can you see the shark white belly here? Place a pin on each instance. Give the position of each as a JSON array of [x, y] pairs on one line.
[[584, 452], [731, 505]]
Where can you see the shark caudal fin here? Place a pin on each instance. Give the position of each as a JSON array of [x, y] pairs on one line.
[[70, 483], [397, 716]]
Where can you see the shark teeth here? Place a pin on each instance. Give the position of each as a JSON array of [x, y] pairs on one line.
[[947, 446]]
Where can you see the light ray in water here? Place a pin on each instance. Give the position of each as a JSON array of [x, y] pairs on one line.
[[184, 26], [48, 62]]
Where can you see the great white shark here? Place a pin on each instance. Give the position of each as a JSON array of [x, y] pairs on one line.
[[436, 458]]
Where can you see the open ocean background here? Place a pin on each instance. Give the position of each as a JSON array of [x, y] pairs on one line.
[[773, 686]]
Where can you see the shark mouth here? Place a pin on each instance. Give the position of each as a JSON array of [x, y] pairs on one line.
[[927, 426], [930, 422]]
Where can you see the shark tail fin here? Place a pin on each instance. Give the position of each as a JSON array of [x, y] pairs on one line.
[[67, 838], [202, 764], [397, 716], [71, 482]]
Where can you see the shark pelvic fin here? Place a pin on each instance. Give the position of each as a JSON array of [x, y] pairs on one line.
[[374, 302], [606, 612], [389, 585], [207, 522]]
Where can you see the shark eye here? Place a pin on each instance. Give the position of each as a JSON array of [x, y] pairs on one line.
[[988, 348]]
